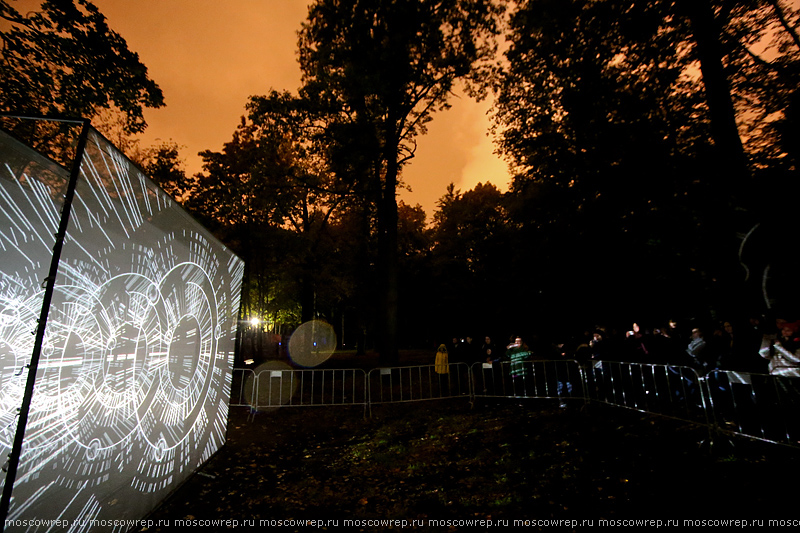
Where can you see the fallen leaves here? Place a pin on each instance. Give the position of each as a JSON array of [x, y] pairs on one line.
[[443, 460]]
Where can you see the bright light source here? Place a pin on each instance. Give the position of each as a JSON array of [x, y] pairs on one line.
[[249, 361], [254, 321]]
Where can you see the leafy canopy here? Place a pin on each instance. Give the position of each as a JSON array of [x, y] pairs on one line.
[[64, 60]]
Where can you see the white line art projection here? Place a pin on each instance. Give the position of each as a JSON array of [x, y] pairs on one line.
[[133, 384]]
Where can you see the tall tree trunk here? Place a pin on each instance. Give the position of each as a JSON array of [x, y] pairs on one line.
[[387, 259], [730, 182], [307, 298], [732, 160], [363, 274]]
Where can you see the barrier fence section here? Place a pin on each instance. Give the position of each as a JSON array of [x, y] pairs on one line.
[[757, 406], [299, 388], [760, 406], [667, 390], [243, 387], [418, 383], [529, 379]]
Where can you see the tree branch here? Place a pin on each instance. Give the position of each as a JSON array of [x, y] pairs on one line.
[[785, 22]]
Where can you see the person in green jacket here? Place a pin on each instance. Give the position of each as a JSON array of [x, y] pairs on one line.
[[519, 354]]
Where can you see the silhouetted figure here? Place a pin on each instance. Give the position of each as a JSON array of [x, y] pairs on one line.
[[471, 351], [599, 345], [489, 351], [674, 342], [456, 351], [697, 350], [636, 345]]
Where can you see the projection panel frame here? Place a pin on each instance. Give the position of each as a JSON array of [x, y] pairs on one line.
[[133, 383]]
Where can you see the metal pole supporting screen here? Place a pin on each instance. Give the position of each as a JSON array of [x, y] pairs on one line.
[[123, 310]]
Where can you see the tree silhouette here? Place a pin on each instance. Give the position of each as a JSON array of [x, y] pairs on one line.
[[472, 260], [271, 195], [64, 60], [384, 66], [622, 120]]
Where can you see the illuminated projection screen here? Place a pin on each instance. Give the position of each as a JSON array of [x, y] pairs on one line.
[[132, 390]]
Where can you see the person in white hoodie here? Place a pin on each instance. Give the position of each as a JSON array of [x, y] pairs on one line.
[[782, 350]]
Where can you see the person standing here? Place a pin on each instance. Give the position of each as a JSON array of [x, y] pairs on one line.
[[456, 350], [783, 350], [637, 343], [441, 363], [697, 350], [519, 354], [471, 351], [489, 351]]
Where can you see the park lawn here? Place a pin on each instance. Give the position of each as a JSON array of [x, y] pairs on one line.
[[499, 460]]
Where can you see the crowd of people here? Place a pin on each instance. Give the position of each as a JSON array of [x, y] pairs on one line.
[[748, 346]]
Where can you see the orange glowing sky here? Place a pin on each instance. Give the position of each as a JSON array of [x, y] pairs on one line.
[[209, 56]]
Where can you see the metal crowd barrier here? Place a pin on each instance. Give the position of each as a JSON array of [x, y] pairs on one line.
[[667, 390], [243, 386], [418, 383], [529, 379], [299, 388], [758, 406]]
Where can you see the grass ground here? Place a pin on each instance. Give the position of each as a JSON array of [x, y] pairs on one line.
[[502, 460]]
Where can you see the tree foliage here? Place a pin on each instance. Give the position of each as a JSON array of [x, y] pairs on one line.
[[623, 121], [64, 60], [383, 67], [271, 193], [472, 257], [163, 164]]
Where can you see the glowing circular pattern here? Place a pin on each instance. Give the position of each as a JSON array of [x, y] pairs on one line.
[[133, 381]]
